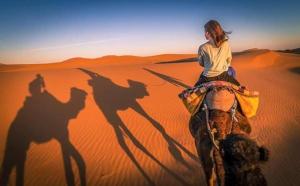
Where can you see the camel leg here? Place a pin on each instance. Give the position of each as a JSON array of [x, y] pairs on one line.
[[171, 146], [219, 167], [117, 124], [144, 150], [205, 153], [20, 169], [15, 156], [124, 146], [67, 163], [79, 161], [6, 169]]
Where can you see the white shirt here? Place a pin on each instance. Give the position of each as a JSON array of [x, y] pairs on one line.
[[215, 60]]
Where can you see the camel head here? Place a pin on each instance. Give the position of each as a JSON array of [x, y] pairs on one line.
[[242, 157], [76, 102], [139, 89]]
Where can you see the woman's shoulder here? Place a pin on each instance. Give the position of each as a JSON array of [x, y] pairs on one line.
[[205, 46], [225, 43]]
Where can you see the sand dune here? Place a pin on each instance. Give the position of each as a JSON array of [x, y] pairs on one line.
[[133, 129], [103, 61]]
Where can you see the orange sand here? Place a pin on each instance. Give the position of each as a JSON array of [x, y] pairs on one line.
[[123, 127]]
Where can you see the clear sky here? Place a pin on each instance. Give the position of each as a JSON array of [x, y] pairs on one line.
[[39, 31]]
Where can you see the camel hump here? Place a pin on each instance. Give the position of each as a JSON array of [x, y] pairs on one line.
[[220, 100]]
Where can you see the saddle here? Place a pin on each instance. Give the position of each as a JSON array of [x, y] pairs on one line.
[[248, 100]]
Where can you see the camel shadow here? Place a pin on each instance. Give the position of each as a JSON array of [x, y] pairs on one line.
[[111, 98], [42, 118]]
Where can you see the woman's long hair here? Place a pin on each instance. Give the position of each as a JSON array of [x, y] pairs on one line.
[[216, 31]]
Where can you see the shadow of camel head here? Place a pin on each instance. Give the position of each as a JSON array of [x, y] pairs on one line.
[[77, 101], [140, 89]]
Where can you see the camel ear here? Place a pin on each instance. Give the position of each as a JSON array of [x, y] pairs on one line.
[[263, 154]]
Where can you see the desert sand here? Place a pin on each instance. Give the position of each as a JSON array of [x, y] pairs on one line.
[[133, 128]]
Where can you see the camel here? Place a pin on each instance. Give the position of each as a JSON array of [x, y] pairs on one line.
[[42, 118], [230, 133], [221, 132]]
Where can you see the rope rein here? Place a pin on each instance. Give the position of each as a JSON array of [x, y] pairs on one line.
[[210, 131]]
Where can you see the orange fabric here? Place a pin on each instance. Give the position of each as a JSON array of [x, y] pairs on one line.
[[193, 101], [249, 104]]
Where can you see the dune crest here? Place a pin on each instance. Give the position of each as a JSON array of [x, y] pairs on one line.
[[265, 59]]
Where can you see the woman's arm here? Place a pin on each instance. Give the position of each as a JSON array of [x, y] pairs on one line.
[[229, 56], [228, 60], [200, 56]]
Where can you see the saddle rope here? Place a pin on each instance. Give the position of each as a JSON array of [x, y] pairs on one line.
[[212, 131]]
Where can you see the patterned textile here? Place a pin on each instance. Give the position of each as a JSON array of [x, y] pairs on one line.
[[248, 100]]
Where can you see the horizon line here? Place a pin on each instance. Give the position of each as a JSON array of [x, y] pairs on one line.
[[143, 56]]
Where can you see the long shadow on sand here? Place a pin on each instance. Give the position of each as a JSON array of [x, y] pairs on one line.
[[295, 70], [42, 118], [111, 98], [186, 60], [169, 79]]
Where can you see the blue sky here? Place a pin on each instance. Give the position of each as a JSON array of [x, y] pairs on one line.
[[40, 31]]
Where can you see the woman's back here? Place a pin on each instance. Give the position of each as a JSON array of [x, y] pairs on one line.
[[215, 56], [215, 60]]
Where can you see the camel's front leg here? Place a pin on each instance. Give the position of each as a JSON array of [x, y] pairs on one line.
[[67, 163], [20, 169], [69, 151], [8, 164], [80, 163], [211, 159], [205, 153], [15, 156]]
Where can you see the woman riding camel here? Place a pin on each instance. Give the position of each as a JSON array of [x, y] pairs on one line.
[[215, 55]]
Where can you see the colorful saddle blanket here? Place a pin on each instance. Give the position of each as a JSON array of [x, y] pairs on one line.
[[192, 98]]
